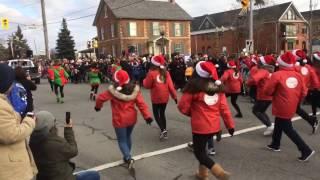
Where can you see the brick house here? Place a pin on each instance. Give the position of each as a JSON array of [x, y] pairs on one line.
[[315, 28], [135, 26], [276, 29]]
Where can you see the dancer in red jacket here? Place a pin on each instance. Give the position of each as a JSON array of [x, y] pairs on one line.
[[204, 101], [315, 85], [260, 78], [287, 89], [124, 96], [308, 77], [233, 81], [159, 81]]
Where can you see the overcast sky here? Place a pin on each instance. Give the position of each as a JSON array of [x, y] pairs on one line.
[[28, 12]]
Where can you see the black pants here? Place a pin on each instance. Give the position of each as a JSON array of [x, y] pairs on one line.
[[259, 110], [94, 88], [234, 98], [159, 111], [56, 87], [315, 101], [199, 146], [51, 84], [285, 125], [253, 92], [302, 113]]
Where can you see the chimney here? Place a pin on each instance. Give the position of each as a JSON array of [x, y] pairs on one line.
[[172, 1]]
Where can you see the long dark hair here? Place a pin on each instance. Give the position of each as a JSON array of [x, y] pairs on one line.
[[127, 89], [20, 73], [198, 84], [163, 72]]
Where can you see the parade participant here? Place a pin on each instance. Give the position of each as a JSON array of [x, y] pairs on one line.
[[232, 80], [95, 81], [316, 83], [263, 101], [204, 101], [253, 69], [159, 82], [287, 89], [308, 77], [124, 95], [59, 77], [16, 158], [49, 74]]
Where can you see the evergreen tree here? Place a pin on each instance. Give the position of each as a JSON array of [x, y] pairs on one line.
[[65, 43], [4, 53], [18, 44]]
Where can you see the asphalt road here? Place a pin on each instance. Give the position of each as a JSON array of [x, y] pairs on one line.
[[245, 155]]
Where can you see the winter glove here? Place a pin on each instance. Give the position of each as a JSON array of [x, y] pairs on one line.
[[149, 121], [219, 136], [231, 131], [176, 101], [97, 109]]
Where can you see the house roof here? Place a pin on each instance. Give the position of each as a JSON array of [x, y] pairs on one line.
[[228, 18], [145, 9], [315, 14]]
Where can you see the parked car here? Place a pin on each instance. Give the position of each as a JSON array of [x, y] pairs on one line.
[[28, 66]]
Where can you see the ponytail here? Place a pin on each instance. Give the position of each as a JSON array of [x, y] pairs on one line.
[[163, 75]]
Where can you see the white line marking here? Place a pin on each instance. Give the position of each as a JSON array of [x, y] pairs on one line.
[[175, 148]]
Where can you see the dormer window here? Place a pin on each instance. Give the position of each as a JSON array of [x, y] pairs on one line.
[[291, 15]]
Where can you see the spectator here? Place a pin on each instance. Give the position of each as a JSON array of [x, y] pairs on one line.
[[16, 161], [53, 153], [23, 78]]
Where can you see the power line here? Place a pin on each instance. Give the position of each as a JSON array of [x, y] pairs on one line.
[[73, 19], [77, 11]]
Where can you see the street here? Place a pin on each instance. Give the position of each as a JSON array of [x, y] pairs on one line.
[[244, 155]]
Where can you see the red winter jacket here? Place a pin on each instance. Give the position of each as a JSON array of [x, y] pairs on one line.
[[205, 112], [260, 78], [124, 113], [305, 71], [288, 89], [232, 81], [253, 69], [159, 91], [314, 79]]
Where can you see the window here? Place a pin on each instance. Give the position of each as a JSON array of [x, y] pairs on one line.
[[102, 33], [112, 30], [297, 42], [156, 29], [132, 49], [177, 29], [105, 11], [132, 29], [178, 48], [290, 45], [304, 30], [291, 15], [291, 30], [104, 51]]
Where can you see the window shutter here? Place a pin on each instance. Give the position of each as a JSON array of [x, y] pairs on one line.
[[129, 29], [173, 30], [115, 25], [182, 48]]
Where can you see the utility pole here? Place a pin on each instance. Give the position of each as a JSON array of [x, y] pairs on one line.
[[45, 30], [310, 29], [251, 26]]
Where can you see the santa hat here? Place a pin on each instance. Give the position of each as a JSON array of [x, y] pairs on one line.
[[158, 61], [122, 78], [300, 55], [206, 70], [232, 64], [316, 56], [287, 60], [267, 60]]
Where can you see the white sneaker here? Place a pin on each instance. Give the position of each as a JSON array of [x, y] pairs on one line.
[[269, 131]]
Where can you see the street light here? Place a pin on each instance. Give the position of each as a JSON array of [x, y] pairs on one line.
[[162, 33]]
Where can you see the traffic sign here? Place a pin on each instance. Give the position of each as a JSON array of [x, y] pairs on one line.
[[4, 23], [249, 46]]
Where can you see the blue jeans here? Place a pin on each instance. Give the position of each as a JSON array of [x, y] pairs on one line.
[[88, 175], [124, 141]]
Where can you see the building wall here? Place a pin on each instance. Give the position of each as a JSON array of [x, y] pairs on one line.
[[122, 39]]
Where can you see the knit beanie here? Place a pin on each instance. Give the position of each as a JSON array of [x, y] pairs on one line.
[[45, 122], [7, 77]]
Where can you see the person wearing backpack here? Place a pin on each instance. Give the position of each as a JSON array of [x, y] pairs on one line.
[[16, 158], [59, 77], [25, 80]]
